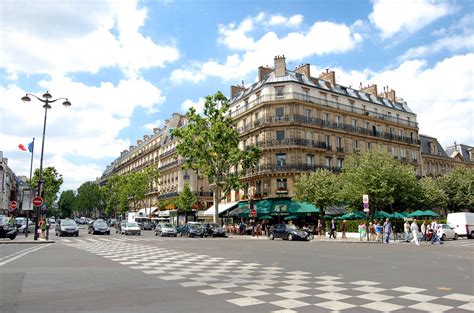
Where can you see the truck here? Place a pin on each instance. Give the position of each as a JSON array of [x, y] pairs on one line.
[[462, 223]]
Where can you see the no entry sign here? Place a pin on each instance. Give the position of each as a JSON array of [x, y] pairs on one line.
[[13, 205], [37, 201]]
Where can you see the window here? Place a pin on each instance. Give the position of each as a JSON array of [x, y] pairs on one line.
[[328, 161], [258, 187], [244, 144], [354, 123], [366, 125], [256, 116], [282, 184], [310, 159], [400, 134], [355, 145], [244, 122], [340, 163], [281, 159], [394, 151], [307, 113], [413, 155], [339, 142], [280, 135], [280, 113], [279, 91], [338, 120], [327, 139], [369, 146], [256, 140], [309, 136], [326, 117]]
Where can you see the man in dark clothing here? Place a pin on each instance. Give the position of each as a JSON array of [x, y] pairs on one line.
[[333, 230]]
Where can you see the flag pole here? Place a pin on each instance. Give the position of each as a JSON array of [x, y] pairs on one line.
[[31, 170]]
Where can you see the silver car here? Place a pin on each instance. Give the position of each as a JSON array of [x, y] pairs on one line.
[[165, 229]]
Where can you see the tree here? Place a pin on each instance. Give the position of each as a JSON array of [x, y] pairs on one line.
[[321, 188], [389, 183], [66, 203], [153, 180], [186, 199], [459, 188], [432, 195], [52, 183], [210, 144], [135, 187], [89, 198], [114, 196]]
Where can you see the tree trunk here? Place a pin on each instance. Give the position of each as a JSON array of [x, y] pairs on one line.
[[216, 203]]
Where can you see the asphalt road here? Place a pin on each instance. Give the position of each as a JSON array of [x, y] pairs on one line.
[[150, 274]]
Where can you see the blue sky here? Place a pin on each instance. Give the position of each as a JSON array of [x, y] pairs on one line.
[[127, 66]]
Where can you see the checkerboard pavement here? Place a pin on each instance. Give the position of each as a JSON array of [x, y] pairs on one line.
[[270, 288]]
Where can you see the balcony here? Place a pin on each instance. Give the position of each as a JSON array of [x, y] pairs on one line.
[[171, 164], [290, 167], [322, 102], [291, 142], [167, 153], [340, 149], [300, 119], [168, 195]]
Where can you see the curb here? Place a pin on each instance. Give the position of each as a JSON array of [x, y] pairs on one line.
[[36, 242]]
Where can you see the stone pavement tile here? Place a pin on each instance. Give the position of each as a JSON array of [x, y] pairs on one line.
[[193, 284], [408, 289], [418, 297], [335, 305], [292, 295], [382, 306], [369, 289], [333, 296], [294, 287], [257, 287], [374, 297], [245, 301], [224, 285], [468, 307], [212, 292], [459, 297], [431, 307], [364, 283], [290, 303], [329, 282], [297, 282], [330, 288], [327, 277], [252, 293]]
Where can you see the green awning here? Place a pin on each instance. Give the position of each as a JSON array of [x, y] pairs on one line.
[[354, 215], [382, 214], [430, 213], [416, 214], [303, 207], [282, 207]]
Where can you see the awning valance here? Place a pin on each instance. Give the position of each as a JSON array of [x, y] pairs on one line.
[[223, 207]]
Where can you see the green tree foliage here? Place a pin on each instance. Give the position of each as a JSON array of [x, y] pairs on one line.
[[432, 195], [52, 183], [459, 187], [389, 183], [66, 203], [209, 143], [89, 198], [321, 188], [186, 199], [136, 186], [115, 198]]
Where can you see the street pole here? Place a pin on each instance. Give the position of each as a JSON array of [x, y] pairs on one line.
[[31, 172]]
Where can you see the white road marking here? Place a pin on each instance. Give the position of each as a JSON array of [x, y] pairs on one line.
[[23, 254]]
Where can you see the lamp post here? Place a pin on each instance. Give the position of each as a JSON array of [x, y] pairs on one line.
[[46, 99]]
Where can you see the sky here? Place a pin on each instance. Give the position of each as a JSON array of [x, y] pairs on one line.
[[126, 66]]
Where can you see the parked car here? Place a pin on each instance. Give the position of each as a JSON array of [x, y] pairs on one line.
[[6, 230], [66, 227], [112, 222], [31, 226], [288, 231], [119, 225], [130, 228], [214, 230], [446, 232], [147, 226], [19, 221], [192, 230], [140, 224], [165, 229], [99, 227], [462, 223]]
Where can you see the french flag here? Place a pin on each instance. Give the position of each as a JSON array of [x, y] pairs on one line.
[[30, 147]]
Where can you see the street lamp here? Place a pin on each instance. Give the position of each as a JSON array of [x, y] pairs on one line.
[[47, 101]]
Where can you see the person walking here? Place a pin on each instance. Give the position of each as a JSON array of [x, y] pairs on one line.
[[333, 230], [406, 228], [319, 228], [42, 228], [378, 232], [387, 227], [435, 229], [343, 229], [423, 231], [414, 231]]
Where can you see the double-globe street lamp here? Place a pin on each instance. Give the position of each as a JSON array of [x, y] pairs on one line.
[[46, 99]]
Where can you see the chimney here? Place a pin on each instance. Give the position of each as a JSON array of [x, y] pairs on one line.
[[146, 137], [131, 148], [329, 76], [391, 95], [303, 69], [139, 142], [372, 89], [234, 90], [156, 130], [263, 71], [280, 66]]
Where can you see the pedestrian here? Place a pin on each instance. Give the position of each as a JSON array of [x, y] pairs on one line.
[[319, 228], [387, 228], [371, 232], [414, 231], [42, 228], [332, 229], [406, 228], [359, 230], [435, 236], [363, 229], [378, 232], [343, 229], [423, 231]]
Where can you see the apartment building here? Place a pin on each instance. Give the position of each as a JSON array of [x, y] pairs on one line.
[[159, 149], [303, 123], [8, 186]]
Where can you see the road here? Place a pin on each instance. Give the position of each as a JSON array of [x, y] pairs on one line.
[[152, 274]]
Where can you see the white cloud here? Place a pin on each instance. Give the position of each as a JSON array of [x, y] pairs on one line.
[[294, 20], [452, 43], [155, 124], [392, 16], [188, 103], [248, 52], [104, 34]]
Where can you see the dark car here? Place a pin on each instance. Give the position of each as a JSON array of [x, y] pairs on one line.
[[147, 226], [165, 229], [140, 224], [192, 230], [99, 227], [6, 230], [119, 225], [214, 230], [66, 227], [288, 231], [112, 222]]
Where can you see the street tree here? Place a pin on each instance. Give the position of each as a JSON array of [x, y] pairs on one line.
[[135, 187], [89, 198], [210, 143], [153, 181], [52, 183], [432, 193], [390, 184], [186, 199], [66, 203], [459, 188], [321, 188]]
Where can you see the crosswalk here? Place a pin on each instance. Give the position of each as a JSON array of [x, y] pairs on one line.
[[101, 239]]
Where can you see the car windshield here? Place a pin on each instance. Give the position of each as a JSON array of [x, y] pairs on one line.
[[195, 226], [132, 225], [3, 220], [68, 223], [289, 226], [167, 225], [100, 224]]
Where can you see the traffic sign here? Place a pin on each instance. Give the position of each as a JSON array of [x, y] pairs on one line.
[[365, 198], [13, 205], [253, 212], [366, 205], [37, 201]]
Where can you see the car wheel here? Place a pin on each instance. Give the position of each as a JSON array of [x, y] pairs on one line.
[[472, 234], [455, 237], [271, 237], [175, 235], [443, 238], [108, 233], [290, 237]]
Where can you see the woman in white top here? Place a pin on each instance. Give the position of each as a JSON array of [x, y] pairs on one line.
[[414, 231]]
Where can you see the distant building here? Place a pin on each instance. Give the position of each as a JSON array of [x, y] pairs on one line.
[[8, 186]]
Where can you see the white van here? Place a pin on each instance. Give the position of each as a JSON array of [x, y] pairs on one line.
[[462, 223]]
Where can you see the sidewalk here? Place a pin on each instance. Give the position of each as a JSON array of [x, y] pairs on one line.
[[21, 239]]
